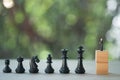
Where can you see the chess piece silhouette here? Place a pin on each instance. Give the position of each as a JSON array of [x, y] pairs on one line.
[[64, 69], [7, 69], [49, 68], [80, 69], [33, 65], [20, 68]]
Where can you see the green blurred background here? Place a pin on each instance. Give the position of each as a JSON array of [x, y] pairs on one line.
[[40, 27]]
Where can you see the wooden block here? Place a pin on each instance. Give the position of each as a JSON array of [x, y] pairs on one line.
[[101, 68], [101, 56]]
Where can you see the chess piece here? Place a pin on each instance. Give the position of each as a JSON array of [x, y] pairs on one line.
[[49, 68], [7, 69], [101, 58], [80, 69], [20, 68], [33, 65], [64, 69]]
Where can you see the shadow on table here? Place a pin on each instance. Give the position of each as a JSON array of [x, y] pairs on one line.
[[109, 75], [113, 75]]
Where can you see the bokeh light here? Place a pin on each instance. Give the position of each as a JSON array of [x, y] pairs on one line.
[[8, 3]]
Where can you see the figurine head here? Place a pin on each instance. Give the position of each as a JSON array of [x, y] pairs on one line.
[[64, 51], [7, 62], [36, 59], [20, 59], [80, 49]]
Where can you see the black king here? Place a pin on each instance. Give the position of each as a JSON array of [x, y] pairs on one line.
[[64, 69], [80, 69]]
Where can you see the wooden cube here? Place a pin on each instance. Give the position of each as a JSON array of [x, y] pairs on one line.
[[101, 68], [101, 58]]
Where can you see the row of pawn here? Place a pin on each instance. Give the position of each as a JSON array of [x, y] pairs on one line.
[[49, 69]]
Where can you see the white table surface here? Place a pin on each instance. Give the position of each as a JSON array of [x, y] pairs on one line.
[[114, 71]]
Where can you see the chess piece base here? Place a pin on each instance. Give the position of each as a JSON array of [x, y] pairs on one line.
[[49, 69], [7, 70], [64, 70], [80, 70], [20, 70], [33, 70]]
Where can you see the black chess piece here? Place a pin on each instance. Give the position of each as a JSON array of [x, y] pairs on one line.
[[49, 68], [101, 44], [20, 68], [33, 65], [7, 69], [64, 69], [80, 69]]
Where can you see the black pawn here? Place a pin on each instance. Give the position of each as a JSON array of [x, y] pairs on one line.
[[20, 68], [49, 68], [80, 69], [64, 69], [33, 64], [7, 68]]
